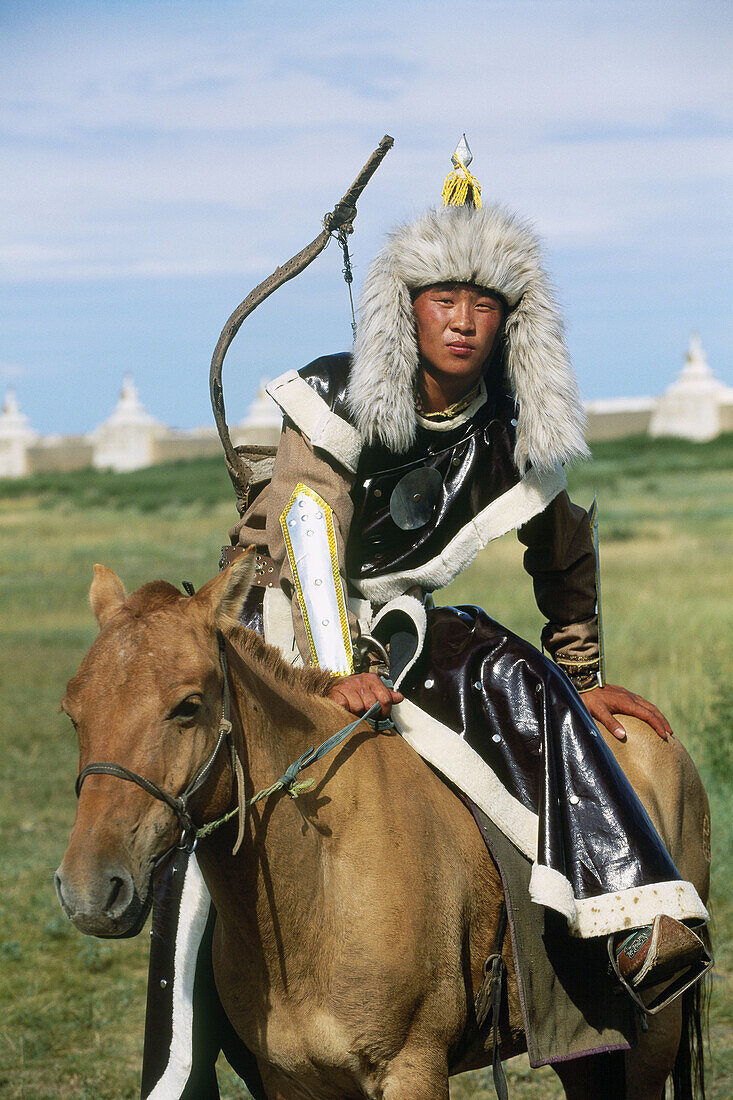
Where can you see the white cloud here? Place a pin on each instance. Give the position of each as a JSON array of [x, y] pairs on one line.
[[192, 146]]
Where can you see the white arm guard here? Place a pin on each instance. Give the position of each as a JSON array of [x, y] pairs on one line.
[[310, 539]]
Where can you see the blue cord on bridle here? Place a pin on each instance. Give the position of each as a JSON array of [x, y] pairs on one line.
[[288, 781]]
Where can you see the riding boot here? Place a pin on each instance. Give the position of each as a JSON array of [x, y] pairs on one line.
[[665, 953]]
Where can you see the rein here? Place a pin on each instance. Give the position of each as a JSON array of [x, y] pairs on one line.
[[287, 780], [190, 834]]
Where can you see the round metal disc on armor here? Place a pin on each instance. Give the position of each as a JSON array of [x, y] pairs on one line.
[[414, 498]]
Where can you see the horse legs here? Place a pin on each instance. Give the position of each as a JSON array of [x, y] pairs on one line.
[[276, 1088], [639, 1074], [652, 1060], [416, 1075], [410, 1077], [598, 1077]]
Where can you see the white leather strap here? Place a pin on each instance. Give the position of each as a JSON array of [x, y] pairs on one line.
[[309, 412]]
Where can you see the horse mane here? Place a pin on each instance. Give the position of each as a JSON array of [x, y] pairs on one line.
[[309, 680], [156, 595]]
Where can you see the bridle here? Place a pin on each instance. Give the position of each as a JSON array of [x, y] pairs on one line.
[[178, 803], [288, 781]]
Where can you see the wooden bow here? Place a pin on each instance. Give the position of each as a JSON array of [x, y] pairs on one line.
[[340, 218]]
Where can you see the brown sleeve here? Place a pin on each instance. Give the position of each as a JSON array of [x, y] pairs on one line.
[[297, 462], [561, 561]]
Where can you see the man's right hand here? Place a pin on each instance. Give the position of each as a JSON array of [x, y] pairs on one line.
[[358, 693]]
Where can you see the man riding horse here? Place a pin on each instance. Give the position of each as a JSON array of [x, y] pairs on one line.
[[448, 426]]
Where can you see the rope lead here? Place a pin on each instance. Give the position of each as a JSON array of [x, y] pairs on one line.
[[287, 780]]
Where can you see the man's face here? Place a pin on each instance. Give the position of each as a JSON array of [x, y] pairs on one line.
[[456, 327]]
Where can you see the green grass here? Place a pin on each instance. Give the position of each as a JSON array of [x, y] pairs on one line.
[[72, 1007], [156, 489]]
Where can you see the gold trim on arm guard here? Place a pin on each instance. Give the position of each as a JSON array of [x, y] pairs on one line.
[[583, 673], [310, 541]]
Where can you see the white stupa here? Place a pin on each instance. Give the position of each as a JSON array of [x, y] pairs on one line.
[[16, 436], [126, 441], [695, 406], [263, 419]]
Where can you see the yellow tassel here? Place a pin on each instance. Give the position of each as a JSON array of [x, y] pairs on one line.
[[461, 187]]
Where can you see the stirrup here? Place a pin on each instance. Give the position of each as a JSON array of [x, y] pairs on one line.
[[681, 981]]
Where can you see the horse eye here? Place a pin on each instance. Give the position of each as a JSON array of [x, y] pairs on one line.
[[63, 710], [187, 708]]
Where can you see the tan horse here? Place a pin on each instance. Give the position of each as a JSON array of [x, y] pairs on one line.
[[353, 923]]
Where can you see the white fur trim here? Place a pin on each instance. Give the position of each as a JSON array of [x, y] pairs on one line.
[[550, 888], [192, 917], [310, 413], [455, 758], [415, 612], [631, 908], [610, 913], [512, 509], [489, 247]]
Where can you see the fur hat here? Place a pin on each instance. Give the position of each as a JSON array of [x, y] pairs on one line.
[[494, 249]]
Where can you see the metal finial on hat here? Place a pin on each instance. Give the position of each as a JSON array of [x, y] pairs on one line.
[[460, 187], [463, 156]]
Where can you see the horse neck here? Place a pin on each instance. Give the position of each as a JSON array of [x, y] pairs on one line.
[[275, 720], [279, 718]]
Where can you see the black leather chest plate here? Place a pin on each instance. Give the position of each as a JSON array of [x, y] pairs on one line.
[[329, 377], [475, 464]]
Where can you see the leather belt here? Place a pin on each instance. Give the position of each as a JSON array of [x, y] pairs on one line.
[[265, 575]]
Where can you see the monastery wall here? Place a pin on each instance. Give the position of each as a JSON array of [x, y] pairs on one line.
[[60, 453], [726, 418], [696, 406], [615, 420], [198, 443]]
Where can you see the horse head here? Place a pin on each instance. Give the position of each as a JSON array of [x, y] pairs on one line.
[[147, 699]]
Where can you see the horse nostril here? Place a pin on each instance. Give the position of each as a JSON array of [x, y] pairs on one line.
[[114, 893], [59, 892], [120, 895]]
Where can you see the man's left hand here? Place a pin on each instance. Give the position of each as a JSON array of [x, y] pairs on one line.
[[606, 702]]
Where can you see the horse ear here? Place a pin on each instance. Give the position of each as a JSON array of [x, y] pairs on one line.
[[226, 593], [106, 595]]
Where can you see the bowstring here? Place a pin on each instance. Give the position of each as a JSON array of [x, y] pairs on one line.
[[342, 238]]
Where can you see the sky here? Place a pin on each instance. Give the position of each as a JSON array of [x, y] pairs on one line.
[[161, 158]]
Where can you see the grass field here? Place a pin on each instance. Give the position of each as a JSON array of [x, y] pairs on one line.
[[72, 1007]]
